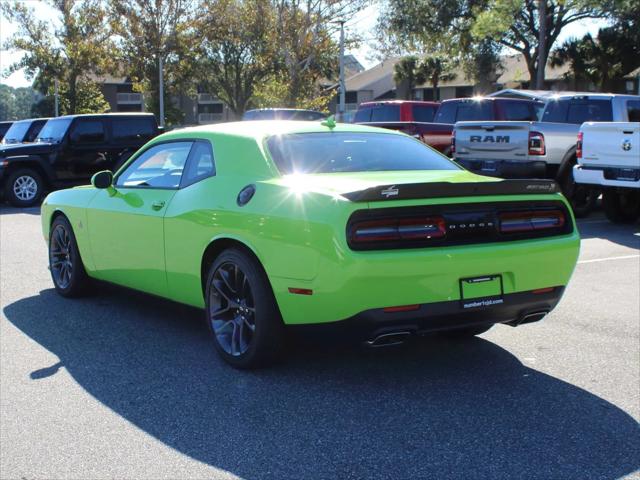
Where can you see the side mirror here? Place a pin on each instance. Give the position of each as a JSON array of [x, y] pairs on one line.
[[103, 179]]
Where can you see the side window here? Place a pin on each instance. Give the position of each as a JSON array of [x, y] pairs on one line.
[[33, 132], [88, 131], [633, 110], [447, 113], [363, 115], [131, 129], [423, 113], [385, 113], [160, 166], [518, 111], [589, 111], [556, 111], [200, 164]]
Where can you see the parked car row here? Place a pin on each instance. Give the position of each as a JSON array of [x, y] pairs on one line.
[[515, 138]]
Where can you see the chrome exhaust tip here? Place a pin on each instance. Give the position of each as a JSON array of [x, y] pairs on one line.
[[388, 339], [533, 317]]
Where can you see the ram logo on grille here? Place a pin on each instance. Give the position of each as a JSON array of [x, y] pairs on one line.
[[489, 139]]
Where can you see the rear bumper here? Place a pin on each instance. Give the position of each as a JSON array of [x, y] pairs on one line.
[[506, 168], [516, 309], [598, 176]]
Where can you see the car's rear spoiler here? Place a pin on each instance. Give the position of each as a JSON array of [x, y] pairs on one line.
[[411, 191]]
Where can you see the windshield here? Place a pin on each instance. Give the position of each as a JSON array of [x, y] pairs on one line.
[[54, 130], [352, 152], [16, 132]]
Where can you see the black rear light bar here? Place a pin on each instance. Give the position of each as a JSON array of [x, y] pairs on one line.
[[448, 225]]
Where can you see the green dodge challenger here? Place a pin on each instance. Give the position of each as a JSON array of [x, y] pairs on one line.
[[349, 229]]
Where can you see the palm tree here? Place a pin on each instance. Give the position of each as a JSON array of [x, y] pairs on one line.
[[436, 69], [406, 76]]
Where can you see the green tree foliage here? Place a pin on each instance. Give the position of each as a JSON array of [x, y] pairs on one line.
[[237, 49], [80, 47], [411, 71], [16, 103], [89, 99], [476, 30], [147, 31]]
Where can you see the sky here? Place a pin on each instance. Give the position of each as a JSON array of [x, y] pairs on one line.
[[363, 24]]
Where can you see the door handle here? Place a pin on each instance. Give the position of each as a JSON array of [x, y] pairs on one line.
[[157, 205]]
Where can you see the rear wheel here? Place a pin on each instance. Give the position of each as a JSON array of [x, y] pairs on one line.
[[67, 270], [242, 314], [621, 206], [582, 197], [466, 332], [24, 187]]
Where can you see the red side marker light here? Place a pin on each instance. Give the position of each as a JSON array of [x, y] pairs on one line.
[[543, 290], [300, 291], [402, 308]]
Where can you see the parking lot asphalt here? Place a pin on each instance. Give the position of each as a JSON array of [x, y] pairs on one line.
[[124, 385]]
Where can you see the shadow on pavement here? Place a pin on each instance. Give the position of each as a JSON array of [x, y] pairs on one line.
[[622, 234], [433, 409], [6, 209]]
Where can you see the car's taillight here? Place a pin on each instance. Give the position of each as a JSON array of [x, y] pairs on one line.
[[453, 142], [516, 222], [536, 144], [397, 230], [579, 146]]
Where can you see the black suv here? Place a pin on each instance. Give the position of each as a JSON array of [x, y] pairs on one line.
[[69, 150]]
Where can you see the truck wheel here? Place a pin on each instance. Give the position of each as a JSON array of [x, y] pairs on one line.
[[582, 197], [24, 187], [621, 206]]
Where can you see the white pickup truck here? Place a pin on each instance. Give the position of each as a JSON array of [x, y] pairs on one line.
[[542, 149], [609, 156]]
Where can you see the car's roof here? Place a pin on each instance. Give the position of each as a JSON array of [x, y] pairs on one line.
[[491, 99], [261, 129], [283, 109], [430, 103], [31, 120], [112, 114]]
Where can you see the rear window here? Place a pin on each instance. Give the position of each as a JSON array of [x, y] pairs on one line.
[[518, 111], [447, 113], [474, 110], [423, 113], [352, 152], [385, 113], [132, 129], [590, 111]]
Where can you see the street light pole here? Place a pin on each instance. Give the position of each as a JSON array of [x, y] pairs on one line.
[[341, 108], [55, 97], [161, 89]]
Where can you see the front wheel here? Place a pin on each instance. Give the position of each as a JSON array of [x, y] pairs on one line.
[[242, 314], [67, 270], [24, 187], [621, 206]]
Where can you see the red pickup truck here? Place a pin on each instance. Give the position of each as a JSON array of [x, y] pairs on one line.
[[411, 118]]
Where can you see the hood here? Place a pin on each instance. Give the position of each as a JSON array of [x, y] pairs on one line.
[[16, 149]]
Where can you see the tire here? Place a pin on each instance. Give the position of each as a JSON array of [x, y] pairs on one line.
[[65, 264], [621, 206], [241, 311], [583, 198], [467, 332], [24, 187]]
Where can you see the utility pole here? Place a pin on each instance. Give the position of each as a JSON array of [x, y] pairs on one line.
[[161, 89], [55, 97], [542, 37], [341, 108]]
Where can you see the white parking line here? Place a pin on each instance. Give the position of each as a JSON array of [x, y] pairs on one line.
[[608, 258]]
